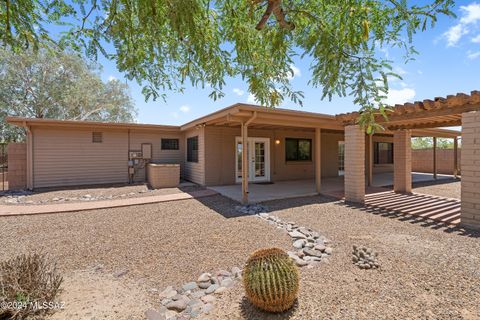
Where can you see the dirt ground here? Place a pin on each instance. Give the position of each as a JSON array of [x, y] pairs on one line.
[[115, 261], [449, 189], [427, 271]]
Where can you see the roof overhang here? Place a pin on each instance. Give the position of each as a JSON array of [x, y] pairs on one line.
[[264, 117], [54, 123]]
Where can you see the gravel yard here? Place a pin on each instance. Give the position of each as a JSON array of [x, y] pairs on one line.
[[425, 273], [450, 189], [159, 245], [90, 194]]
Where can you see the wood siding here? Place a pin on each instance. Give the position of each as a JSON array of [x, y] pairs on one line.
[[195, 171], [64, 157], [68, 157]]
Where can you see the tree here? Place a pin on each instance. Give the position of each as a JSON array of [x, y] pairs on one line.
[[165, 44], [46, 84], [427, 143]]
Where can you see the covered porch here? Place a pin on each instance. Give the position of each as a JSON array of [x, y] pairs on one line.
[[452, 111], [334, 187]]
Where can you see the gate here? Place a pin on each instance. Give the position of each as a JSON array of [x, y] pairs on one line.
[[3, 167]]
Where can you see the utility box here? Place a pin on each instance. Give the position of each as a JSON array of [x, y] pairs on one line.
[[163, 175], [147, 151]]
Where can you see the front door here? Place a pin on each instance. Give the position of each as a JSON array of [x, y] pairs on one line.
[[258, 156]]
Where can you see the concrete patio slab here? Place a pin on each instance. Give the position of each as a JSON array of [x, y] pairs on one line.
[[303, 188]]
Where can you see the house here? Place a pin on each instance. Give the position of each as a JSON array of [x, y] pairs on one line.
[[245, 144]]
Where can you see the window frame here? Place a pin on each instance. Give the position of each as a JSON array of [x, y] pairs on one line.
[[192, 157], [298, 140], [376, 153], [177, 141]]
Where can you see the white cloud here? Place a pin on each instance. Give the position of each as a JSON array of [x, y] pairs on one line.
[[476, 39], [238, 92], [470, 17], [184, 109], [112, 78], [473, 54], [296, 72], [251, 98], [399, 96]]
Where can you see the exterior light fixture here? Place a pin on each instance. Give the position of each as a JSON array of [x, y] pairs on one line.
[[277, 141]]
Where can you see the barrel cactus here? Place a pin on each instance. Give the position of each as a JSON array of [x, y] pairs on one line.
[[271, 280]]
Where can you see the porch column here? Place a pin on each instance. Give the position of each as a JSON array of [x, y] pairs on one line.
[[318, 159], [370, 161], [354, 164], [470, 182], [244, 163], [455, 157], [402, 162], [435, 158]]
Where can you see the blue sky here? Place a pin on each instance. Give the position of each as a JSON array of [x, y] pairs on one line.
[[448, 62]]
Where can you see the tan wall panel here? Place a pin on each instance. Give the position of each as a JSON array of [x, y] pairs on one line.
[[195, 171], [64, 157]]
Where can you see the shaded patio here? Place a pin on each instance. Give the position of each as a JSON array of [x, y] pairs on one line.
[[333, 187]]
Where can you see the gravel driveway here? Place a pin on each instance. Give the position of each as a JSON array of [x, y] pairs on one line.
[[426, 273], [449, 189]]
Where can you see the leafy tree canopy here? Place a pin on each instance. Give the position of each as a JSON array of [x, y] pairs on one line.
[[47, 84], [166, 44], [427, 143]]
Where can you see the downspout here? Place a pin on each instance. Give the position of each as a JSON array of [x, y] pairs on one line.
[[30, 180]]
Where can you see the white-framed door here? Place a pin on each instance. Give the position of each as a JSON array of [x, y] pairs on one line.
[[258, 156]]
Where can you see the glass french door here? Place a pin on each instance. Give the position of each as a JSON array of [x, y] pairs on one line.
[[258, 157]]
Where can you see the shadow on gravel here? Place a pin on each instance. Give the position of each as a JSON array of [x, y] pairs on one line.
[[226, 207], [250, 312], [414, 219]]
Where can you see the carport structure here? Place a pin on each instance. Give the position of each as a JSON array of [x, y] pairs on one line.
[[454, 110]]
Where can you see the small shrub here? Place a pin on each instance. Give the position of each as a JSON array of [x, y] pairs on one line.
[[271, 280], [26, 282]]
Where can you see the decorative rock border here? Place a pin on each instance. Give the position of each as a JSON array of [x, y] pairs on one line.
[[365, 258], [195, 298], [18, 197]]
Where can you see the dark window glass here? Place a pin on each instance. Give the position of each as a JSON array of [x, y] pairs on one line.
[[170, 144], [383, 153], [97, 137], [298, 149], [192, 149]]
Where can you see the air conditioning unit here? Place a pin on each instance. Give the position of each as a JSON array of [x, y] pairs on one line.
[[135, 155]]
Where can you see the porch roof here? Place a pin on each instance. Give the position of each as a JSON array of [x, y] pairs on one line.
[[440, 112]]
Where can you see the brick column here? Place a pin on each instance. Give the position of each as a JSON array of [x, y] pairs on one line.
[[470, 164], [402, 160], [354, 164]]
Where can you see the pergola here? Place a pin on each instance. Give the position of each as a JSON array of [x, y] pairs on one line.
[[454, 110]]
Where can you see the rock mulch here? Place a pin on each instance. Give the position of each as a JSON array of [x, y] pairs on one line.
[[310, 246], [365, 258], [195, 298]]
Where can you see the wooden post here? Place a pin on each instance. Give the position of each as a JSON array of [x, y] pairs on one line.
[[318, 159], [435, 158], [370, 160], [455, 157], [244, 164]]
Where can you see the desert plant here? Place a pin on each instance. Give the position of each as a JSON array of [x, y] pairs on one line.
[[271, 280], [27, 282]]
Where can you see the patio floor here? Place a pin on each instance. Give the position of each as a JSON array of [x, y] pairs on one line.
[[302, 188]]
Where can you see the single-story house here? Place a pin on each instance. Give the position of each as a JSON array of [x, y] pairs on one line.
[[281, 145]]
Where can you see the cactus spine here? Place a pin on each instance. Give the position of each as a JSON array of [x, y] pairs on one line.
[[271, 280]]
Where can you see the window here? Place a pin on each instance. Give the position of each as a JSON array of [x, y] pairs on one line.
[[383, 153], [341, 158], [97, 137], [298, 149], [169, 144], [192, 149]]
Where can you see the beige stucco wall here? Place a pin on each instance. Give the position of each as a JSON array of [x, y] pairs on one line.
[[220, 154], [67, 156]]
